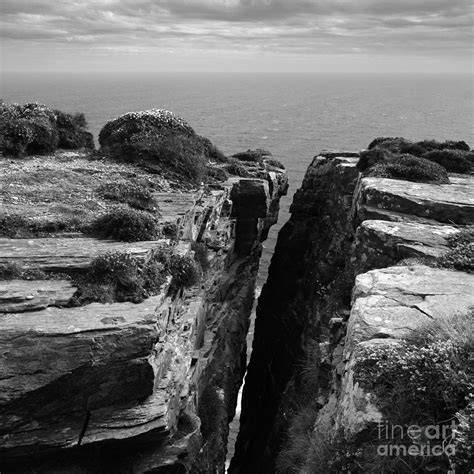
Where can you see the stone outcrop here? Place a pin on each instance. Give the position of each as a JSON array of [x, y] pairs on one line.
[[347, 271], [124, 387]]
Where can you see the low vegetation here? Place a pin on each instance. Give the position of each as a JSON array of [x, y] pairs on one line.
[[275, 163], [35, 129], [127, 225], [66, 192], [164, 142], [15, 226], [424, 380], [236, 168], [255, 156], [423, 161], [409, 168], [460, 256], [118, 276], [13, 271], [455, 161], [132, 193]]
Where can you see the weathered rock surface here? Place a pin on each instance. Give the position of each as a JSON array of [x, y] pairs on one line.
[[306, 258], [341, 226], [389, 304], [450, 203], [21, 295], [380, 243], [66, 254], [126, 387]]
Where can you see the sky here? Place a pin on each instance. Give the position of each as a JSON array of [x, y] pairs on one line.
[[304, 36]]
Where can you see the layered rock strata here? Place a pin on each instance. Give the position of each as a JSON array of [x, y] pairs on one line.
[[345, 236], [124, 387]]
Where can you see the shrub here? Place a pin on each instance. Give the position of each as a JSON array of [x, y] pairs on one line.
[[16, 226], [461, 254], [72, 131], [134, 194], [13, 271], [430, 145], [460, 257], [170, 230], [184, 271], [371, 157], [118, 276], [234, 167], [162, 140], [392, 144], [10, 271], [128, 225], [456, 161], [412, 381], [410, 168], [255, 156], [275, 163], [218, 174], [13, 226], [35, 129]]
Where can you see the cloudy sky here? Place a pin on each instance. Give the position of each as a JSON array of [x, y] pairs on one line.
[[237, 35]]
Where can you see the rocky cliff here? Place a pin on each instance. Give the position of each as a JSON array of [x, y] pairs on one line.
[[357, 267], [141, 387]]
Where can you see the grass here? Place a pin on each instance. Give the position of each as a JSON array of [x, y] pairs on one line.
[[134, 194], [236, 168], [58, 193], [460, 256], [425, 161], [409, 168], [117, 276], [275, 163], [127, 225], [455, 161], [255, 156]]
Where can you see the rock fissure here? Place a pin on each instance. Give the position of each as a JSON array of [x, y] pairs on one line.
[[348, 237]]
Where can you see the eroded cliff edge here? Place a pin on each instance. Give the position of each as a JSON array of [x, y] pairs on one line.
[[336, 284], [132, 387]]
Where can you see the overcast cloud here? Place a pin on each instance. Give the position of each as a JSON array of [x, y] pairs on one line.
[[70, 34]]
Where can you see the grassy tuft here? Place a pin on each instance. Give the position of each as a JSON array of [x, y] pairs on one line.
[[134, 194], [455, 161], [275, 163], [236, 168], [410, 168], [127, 225], [118, 276]]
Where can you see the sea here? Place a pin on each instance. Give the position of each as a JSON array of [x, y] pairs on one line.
[[294, 116]]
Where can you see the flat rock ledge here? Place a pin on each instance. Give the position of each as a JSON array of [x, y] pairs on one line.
[[17, 296], [388, 305]]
